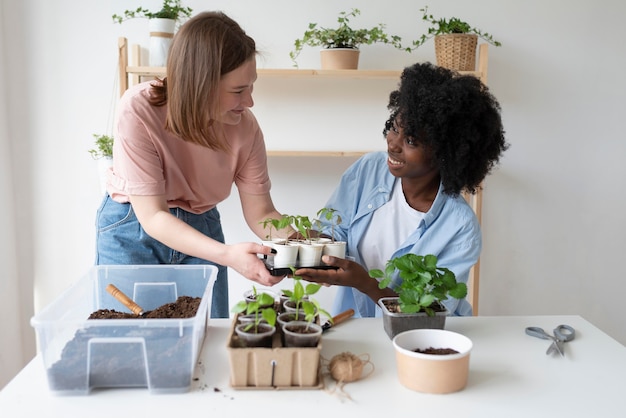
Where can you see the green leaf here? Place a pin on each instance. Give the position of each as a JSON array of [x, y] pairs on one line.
[[240, 307], [264, 299], [312, 288], [459, 291], [269, 314]]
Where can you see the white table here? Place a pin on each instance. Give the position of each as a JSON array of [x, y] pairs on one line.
[[510, 376]]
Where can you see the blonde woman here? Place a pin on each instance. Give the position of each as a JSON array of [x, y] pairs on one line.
[[180, 144]]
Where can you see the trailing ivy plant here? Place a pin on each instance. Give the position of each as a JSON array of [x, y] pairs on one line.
[[423, 282], [449, 26], [171, 9], [104, 147], [343, 36]]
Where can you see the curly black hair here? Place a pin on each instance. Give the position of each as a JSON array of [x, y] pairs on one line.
[[454, 115]]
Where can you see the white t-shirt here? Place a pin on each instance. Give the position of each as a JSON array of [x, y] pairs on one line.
[[390, 226]]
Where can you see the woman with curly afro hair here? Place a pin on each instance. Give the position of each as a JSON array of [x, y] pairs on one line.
[[444, 135]]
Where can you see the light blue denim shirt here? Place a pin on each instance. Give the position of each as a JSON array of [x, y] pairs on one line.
[[449, 230]]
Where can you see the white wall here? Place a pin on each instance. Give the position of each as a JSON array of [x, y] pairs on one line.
[[553, 211]]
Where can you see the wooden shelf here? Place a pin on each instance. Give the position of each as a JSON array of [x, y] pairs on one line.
[[130, 72], [287, 153], [143, 71]]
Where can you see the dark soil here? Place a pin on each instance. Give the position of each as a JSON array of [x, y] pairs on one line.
[[437, 351], [184, 307], [123, 364]]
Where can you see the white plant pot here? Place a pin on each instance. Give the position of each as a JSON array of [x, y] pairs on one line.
[[310, 255], [336, 249], [432, 373], [104, 164], [286, 255], [161, 34]]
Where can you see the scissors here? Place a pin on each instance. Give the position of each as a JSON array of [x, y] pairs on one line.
[[562, 334]]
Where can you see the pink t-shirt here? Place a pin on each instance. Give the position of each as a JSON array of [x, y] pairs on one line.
[[148, 160]]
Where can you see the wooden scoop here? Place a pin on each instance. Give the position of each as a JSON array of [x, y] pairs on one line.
[[128, 302]]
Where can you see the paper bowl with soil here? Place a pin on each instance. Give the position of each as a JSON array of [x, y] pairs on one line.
[[432, 360], [160, 354]]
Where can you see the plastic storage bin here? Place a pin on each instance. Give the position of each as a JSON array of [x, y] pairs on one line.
[[160, 354]]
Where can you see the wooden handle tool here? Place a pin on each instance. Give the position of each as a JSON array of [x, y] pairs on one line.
[[128, 302], [338, 319]]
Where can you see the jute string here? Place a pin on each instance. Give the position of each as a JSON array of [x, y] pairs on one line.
[[345, 368]]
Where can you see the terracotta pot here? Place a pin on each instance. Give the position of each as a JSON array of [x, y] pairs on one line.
[[432, 373], [339, 58]]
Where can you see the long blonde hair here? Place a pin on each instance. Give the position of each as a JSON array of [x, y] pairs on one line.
[[205, 48]]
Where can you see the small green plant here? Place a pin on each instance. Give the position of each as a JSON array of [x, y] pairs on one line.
[[301, 297], [448, 26], [262, 308], [276, 224], [171, 9], [303, 225], [331, 216], [423, 282], [343, 36], [104, 147]]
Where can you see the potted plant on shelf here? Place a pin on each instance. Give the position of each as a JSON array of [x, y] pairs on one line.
[[103, 147], [423, 287], [342, 40], [162, 25], [103, 153], [455, 41]]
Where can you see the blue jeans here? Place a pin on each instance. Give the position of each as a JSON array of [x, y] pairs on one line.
[[121, 240]]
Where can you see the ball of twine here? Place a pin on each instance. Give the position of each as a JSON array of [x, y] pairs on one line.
[[347, 367]]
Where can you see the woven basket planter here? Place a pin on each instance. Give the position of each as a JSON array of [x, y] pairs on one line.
[[456, 51]]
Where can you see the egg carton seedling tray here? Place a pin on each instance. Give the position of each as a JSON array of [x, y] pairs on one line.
[[275, 368]]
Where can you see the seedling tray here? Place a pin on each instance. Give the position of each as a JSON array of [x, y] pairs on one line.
[[275, 368]]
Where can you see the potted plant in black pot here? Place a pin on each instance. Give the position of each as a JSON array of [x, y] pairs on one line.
[[422, 288], [162, 25], [342, 40], [455, 41]]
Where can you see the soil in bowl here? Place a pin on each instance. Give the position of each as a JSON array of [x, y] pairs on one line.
[[436, 351]]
